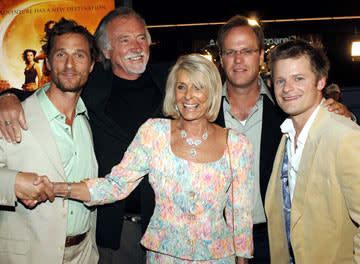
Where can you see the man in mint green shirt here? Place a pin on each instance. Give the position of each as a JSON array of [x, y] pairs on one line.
[[74, 144], [57, 144]]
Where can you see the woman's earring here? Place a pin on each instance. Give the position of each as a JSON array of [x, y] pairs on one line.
[[176, 108]]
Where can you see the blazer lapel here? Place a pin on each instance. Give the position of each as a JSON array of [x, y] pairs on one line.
[[274, 209], [97, 106], [39, 127], [274, 191], [305, 169], [96, 102]]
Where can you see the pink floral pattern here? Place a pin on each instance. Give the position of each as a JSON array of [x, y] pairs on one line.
[[188, 221]]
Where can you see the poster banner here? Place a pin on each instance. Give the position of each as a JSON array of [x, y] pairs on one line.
[[23, 24]]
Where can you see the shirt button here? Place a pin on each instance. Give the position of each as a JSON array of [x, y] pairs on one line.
[[191, 217]]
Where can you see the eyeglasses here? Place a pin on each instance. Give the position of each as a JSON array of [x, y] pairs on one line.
[[242, 52]]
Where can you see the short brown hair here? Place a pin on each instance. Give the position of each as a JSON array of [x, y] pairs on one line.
[[240, 21], [319, 62], [65, 26]]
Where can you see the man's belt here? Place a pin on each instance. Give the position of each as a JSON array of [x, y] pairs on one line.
[[74, 240]]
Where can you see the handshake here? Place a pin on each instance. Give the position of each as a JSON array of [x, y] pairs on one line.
[[32, 189]]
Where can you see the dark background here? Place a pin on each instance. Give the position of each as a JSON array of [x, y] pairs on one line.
[[185, 11], [334, 34]]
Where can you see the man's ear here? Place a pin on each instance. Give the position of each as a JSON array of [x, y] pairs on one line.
[[321, 84], [91, 66], [47, 64], [262, 57], [221, 60], [106, 53]]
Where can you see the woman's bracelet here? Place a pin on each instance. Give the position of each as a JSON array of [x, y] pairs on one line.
[[7, 94], [68, 191]]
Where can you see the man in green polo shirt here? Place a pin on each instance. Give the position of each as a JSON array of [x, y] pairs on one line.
[[57, 144]]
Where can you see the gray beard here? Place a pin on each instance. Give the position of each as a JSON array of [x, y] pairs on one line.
[[137, 72]]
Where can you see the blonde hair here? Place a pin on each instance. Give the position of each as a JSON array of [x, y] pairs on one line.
[[202, 73]]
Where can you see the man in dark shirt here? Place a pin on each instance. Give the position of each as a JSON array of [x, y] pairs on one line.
[[122, 92]]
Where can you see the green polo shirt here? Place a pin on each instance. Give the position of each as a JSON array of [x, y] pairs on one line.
[[75, 150]]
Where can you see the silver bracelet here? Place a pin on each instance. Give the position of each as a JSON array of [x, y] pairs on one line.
[[67, 196]]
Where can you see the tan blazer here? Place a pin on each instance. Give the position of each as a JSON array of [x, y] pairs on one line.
[[325, 212], [37, 235]]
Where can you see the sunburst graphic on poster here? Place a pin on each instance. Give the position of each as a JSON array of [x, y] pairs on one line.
[[22, 26]]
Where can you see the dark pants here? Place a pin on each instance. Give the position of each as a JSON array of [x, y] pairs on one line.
[[261, 245], [130, 251]]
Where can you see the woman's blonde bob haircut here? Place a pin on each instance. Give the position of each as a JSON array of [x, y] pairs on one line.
[[202, 73]]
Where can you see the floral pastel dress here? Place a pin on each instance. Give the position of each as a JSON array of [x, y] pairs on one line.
[[188, 224]]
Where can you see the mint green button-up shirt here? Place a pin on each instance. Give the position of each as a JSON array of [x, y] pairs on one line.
[[75, 149]]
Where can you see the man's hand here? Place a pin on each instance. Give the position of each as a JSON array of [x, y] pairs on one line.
[[12, 118], [33, 189], [337, 108]]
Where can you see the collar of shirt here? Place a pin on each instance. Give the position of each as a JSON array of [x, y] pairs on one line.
[[264, 90], [295, 154], [51, 112], [287, 127]]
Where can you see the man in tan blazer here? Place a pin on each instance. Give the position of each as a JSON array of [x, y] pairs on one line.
[[58, 144], [318, 185]]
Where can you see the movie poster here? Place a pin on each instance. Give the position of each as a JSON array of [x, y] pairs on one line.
[[23, 23]]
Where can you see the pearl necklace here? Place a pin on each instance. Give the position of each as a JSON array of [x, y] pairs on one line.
[[193, 143]]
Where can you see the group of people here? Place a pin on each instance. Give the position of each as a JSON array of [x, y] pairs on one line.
[[174, 159]]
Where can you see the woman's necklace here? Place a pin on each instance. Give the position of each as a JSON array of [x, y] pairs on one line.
[[193, 143]]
